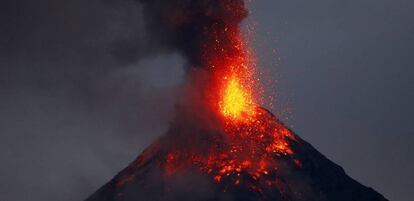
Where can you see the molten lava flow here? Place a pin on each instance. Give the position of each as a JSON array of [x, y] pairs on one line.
[[248, 152]]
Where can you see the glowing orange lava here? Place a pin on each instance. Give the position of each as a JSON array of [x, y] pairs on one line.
[[233, 87]]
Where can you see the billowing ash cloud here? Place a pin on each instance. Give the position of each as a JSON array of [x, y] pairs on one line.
[[188, 26]]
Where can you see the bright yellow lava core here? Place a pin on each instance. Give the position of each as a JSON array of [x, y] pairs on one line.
[[236, 102]]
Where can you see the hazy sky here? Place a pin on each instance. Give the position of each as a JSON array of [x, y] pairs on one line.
[[82, 90]]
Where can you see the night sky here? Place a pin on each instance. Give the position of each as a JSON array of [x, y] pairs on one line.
[[83, 89]]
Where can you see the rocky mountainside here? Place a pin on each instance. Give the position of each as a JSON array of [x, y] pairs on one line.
[[182, 168]]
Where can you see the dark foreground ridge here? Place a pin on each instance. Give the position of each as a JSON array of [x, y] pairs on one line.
[[307, 175]]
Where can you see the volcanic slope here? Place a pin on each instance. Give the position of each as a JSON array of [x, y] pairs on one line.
[[194, 162]]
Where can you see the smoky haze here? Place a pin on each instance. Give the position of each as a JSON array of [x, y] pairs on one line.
[[84, 89], [73, 112]]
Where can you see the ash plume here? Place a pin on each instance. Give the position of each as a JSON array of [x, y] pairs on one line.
[[188, 26]]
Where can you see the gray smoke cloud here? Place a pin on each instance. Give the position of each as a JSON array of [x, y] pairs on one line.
[[76, 93]]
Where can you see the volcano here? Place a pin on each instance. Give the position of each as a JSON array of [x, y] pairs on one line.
[[213, 165], [221, 144]]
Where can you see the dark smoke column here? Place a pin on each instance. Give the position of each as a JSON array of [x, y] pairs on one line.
[[199, 29]]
